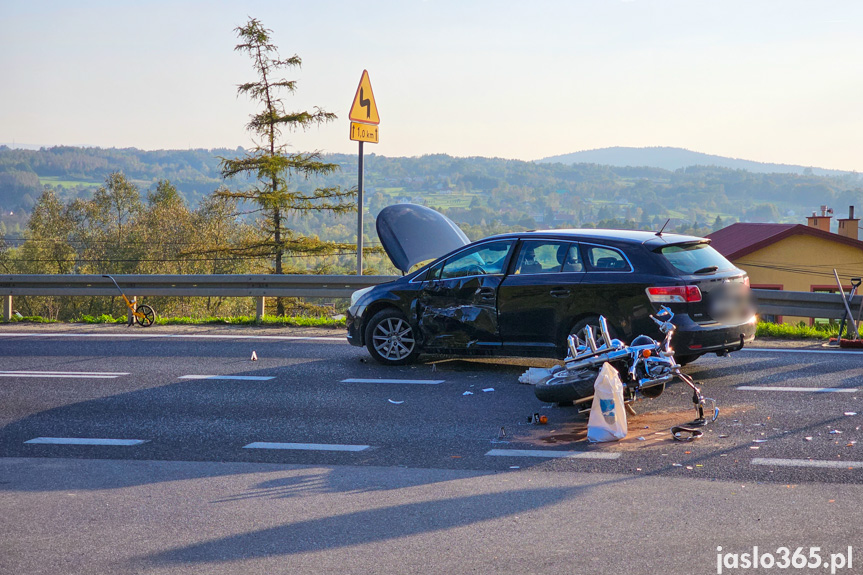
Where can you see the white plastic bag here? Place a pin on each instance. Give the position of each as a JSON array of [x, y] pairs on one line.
[[607, 420]]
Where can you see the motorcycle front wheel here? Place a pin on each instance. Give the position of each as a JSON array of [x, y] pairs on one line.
[[565, 388]]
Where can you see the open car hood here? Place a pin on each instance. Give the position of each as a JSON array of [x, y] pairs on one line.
[[412, 234]]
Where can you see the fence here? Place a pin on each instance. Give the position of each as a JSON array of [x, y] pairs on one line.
[[262, 286]]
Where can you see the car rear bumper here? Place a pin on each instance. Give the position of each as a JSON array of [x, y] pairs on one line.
[[695, 338]]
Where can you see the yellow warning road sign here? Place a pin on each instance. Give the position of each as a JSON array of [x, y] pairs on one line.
[[364, 133], [364, 108]]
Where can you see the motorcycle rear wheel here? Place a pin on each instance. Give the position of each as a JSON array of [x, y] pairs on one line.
[[565, 390]]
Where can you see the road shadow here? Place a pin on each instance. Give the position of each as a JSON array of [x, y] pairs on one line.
[[363, 527]]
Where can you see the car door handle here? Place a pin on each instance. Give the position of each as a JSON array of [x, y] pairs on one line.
[[485, 293], [559, 292]]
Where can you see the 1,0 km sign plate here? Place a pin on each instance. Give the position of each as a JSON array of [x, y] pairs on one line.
[[364, 133]]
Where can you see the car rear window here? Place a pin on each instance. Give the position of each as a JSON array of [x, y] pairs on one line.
[[696, 258]]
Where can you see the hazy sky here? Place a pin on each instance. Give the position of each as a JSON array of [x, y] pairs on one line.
[[771, 81]]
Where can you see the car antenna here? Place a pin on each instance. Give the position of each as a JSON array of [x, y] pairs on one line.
[[659, 233]]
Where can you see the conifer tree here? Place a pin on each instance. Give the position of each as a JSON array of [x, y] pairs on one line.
[[273, 168]]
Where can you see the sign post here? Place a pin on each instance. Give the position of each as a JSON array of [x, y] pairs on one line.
[[364, 128]]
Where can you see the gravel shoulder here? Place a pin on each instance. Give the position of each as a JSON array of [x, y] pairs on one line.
[[215, 329]]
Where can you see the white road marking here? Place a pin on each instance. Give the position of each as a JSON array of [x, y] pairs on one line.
[[85, 441], [178, 336], [65, 374], [306, 446], [235, 377], [806, 389], [777, 350], [824, 463], [409, 381], [548, 453]]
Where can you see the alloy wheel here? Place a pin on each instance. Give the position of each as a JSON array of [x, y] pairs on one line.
[[393, 339]]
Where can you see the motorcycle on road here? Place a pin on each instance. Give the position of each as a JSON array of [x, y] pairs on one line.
[[645, 367]]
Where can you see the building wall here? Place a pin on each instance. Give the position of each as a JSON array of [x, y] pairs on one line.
[[805, 263]]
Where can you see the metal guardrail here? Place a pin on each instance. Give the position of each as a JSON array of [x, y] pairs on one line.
[[803, 304], [260, 286]]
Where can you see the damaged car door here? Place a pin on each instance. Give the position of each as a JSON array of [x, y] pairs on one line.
[[539, 298], [457, 304]]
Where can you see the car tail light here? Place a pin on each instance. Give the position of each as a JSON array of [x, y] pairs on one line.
[[674, 294]]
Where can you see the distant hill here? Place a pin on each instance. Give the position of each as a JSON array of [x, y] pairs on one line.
[[676, 158], [482, 195]]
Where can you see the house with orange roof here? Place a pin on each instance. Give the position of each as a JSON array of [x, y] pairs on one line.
[[794, 257]]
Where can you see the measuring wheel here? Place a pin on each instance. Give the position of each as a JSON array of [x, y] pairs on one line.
[[147, 315]]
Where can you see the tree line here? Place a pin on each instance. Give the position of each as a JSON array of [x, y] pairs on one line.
[[481, 193]]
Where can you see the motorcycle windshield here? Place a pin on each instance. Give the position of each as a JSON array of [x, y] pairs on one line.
[[411, 234]]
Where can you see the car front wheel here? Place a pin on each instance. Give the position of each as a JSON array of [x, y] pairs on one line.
[[390, 339]]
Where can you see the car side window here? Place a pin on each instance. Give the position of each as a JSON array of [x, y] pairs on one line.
[[572, 260], [606, 259], [484, 259], [433, 273], [540, 257]]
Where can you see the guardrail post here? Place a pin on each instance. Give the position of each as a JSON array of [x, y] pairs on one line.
[[7, 308], [259, 307], [129, 317]]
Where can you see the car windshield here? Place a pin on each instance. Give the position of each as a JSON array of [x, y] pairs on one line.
[[697, 258]]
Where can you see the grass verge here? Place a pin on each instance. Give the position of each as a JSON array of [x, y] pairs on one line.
[[799, 331]]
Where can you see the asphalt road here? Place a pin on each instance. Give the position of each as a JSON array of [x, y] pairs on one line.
[[281, 465]]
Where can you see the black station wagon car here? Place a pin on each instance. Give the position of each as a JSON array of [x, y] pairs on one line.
[[522, 294]]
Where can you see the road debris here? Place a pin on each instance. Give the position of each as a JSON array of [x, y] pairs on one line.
[[681, 433], [395, 402], [535, 375]]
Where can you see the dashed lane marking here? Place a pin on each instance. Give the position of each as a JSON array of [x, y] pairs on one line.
[[305, 446], [230, 377], [806, 389], [65, 374], [550, 453], [408, 381], [823, 463], [85, 441]]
